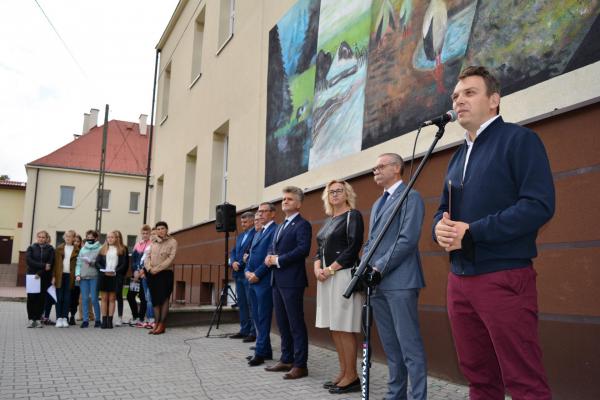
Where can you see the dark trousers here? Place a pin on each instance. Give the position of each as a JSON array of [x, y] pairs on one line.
[[137, 312], [262, 312], [246, 327], [495, 328], [35, 306], [63, 297], [288, 304], [120, 280], [74, 301]]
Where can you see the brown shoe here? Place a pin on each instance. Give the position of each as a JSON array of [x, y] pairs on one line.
[[279, 367], [296, 373]]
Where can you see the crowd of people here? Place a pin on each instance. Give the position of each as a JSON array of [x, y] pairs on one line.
[[497, 193], [89, 275]]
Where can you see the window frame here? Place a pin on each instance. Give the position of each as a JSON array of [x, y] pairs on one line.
[[60, 197]]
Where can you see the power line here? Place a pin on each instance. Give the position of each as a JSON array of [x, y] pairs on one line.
[[61, 39]]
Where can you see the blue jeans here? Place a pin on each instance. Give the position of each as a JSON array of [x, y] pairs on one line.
[[149, 309], [63, 297], [246, 325], [89, 287]]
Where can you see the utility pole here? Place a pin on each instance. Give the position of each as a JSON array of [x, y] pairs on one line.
[[100, 197]]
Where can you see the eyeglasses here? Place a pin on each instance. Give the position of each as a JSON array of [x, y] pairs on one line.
[[335, 192], [263, 211], [381, 166]]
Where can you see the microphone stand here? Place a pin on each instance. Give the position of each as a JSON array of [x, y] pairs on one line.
[[364, 268]]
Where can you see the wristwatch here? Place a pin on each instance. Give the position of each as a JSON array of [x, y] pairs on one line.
[[331, 271]]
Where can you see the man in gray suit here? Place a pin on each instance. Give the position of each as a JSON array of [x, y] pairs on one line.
[[397, 262]]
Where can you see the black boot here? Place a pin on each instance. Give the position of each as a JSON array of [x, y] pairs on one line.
[[72, 320], [110, 321], [104, 323]]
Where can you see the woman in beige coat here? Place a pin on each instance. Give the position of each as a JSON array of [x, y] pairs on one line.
[[158, 268]]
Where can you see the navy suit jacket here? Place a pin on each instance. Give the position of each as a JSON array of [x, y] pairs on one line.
[[292, 246], [397, 256], [242, 243], [258, 251]]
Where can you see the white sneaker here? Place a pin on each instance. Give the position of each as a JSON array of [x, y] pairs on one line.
[[118, 321], [31, 324], [134, 322], [38, 324], [65, 323], [59, 323]]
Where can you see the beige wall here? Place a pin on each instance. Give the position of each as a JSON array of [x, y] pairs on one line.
[[232, 89], [51, 217], [11, 213]]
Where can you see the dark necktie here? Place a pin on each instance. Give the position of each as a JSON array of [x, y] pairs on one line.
[[282, 228], [381, 203]]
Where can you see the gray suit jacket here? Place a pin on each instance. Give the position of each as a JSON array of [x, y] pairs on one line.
[[397, 257]]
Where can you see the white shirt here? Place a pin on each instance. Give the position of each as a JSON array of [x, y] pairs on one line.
[[112, 258], [393, 188], [470, 143], [67, 259]]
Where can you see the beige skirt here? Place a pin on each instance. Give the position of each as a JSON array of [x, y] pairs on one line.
[[334, 311]]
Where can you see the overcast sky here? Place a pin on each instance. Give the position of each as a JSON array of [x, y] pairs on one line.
[[44, 91]]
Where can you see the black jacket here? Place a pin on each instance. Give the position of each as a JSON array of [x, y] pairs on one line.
[[122, 265], [37, 258], [340, 239]]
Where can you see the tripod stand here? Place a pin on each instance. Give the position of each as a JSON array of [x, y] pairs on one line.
[[365, 272], [226, 291]]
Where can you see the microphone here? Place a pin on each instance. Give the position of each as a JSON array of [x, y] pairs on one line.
[[442, 120]]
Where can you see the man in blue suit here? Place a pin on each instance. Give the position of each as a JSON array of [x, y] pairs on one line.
[[396, 260], [258, 277], [291, 246], [236, 261]]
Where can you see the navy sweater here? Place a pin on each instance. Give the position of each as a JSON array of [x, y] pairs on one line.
[[507, 194]]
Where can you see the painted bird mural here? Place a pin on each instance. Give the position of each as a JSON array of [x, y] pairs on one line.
[[435, 24]]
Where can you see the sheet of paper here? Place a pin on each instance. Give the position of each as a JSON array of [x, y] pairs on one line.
[[33, 284], [52, 292]]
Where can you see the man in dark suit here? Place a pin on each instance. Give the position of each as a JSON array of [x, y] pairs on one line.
[[257, 274], [291, 246], [396, 260], [236, 261]]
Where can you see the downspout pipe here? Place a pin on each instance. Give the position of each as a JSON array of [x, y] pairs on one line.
[[154, 85]]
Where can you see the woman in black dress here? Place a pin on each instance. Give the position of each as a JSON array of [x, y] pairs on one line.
[[339, 242]]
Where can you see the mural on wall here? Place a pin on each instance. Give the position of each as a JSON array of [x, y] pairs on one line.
[[416, 49], [290, 91], [339, 98]]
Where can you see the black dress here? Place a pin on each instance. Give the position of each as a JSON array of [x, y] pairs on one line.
[[108, 283]]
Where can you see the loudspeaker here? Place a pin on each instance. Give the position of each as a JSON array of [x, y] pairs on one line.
[[225, 221]]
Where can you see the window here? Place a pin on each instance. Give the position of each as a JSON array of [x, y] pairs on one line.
[[226, 19], [160, 184], [131, 239], [59, 238], [218, 187], [197, 50], [189, 188], [104, 199], [66, 196], [134, 201], [164, 113]]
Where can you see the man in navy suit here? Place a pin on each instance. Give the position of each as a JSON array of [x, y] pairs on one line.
[[236, 261], [291, 246], [397, 262], [258, 277]]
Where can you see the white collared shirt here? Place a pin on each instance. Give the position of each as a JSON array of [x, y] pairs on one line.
[[267, 225], [470, 143], [393, 188]]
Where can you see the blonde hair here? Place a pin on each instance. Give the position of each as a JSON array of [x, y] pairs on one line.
[[70, 232], [121, 249], [350, 196], [45, 234]]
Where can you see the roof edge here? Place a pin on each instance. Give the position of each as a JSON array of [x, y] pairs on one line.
[[171, 24], [54, 167]]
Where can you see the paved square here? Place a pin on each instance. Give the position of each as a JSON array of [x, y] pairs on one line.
[[127, 363]]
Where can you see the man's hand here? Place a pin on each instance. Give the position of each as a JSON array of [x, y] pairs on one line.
[[271, 260], [449, 233], [236, 266], [252, 278], [245, 257]]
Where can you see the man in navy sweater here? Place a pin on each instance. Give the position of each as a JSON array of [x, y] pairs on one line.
[[497, 194]]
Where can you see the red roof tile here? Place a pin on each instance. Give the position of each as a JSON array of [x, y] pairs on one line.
[[126, 150], [13, 184]]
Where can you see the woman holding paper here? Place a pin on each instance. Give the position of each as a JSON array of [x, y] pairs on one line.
[[65, 262], [40, 256], [111, 260]]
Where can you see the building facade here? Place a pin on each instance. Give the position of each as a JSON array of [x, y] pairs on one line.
[[12, 198], [242, 112], [62, 191]]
